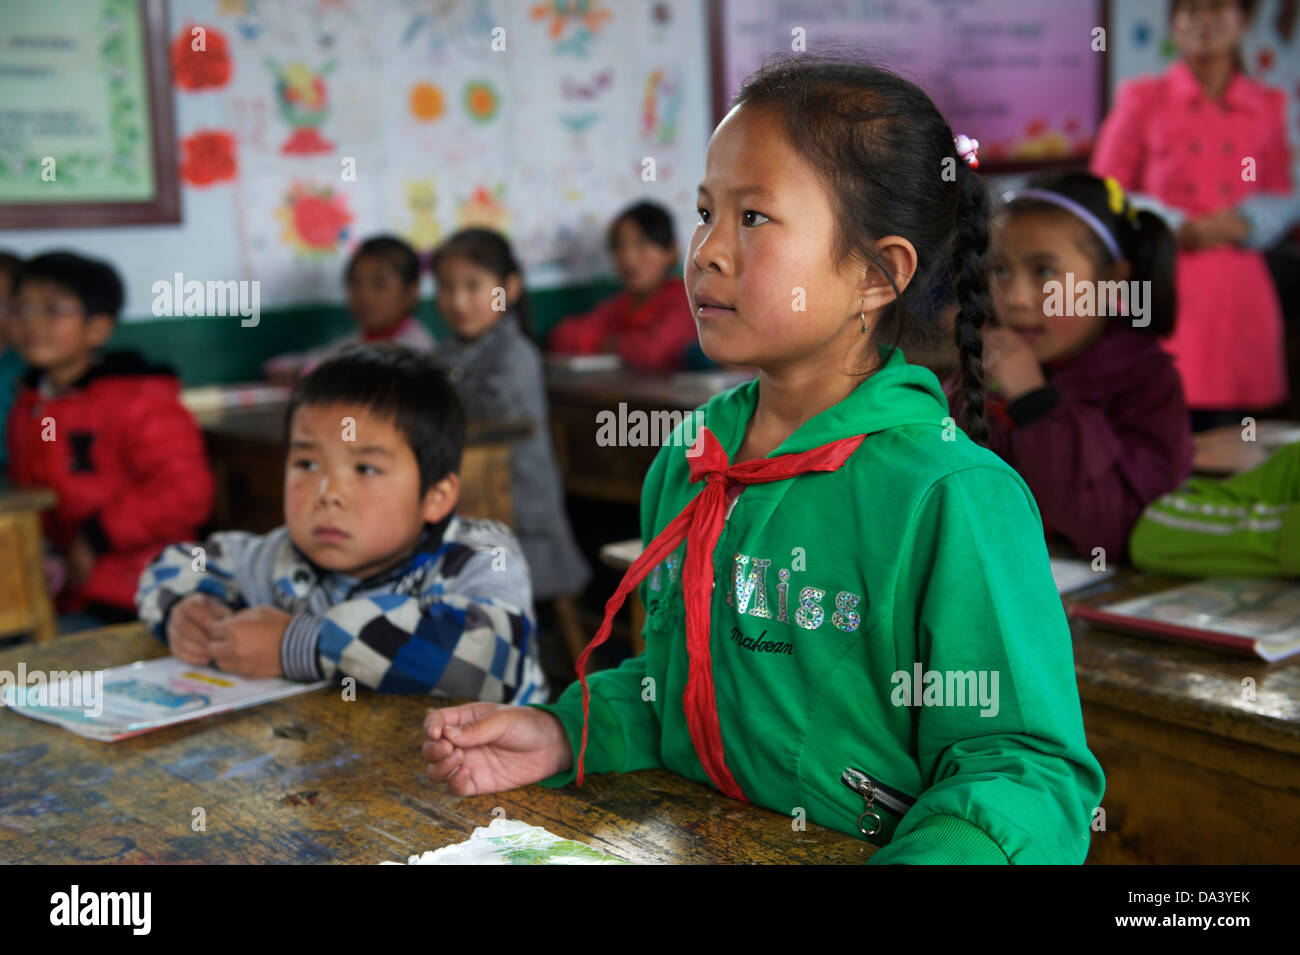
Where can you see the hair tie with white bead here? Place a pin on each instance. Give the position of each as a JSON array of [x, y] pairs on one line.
[[968, 149]]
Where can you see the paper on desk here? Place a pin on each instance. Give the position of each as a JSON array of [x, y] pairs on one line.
[[119, 702], [511, 842], [1071, 574]]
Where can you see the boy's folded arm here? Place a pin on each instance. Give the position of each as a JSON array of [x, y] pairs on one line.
[[184, 569], [171, 489], [1012, 763], [455, 647]]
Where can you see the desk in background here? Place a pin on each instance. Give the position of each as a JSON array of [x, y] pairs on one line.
[[25, 605], [317, 779], [246, 451], [615, 473], [1196, 773]]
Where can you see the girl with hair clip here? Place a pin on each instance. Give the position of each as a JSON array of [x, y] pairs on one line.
[[1084, 404], [1203, 139], [830, 538]]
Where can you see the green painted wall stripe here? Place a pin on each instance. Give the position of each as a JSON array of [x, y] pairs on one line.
[[208, 351]]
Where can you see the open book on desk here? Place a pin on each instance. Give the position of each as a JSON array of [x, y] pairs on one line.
[[1259, 617], [120, 702]]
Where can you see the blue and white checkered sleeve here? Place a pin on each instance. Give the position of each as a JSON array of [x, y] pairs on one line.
[[457, 646], [184, 569]]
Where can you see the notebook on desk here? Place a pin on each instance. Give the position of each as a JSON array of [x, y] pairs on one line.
[[120, 702], [1258, 617]]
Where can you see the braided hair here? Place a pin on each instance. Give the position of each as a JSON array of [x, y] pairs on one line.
[[888, 160]]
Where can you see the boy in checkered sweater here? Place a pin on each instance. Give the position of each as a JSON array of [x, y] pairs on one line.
[[372, 575]]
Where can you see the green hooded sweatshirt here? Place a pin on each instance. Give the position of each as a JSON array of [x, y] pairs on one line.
[[896, 617]]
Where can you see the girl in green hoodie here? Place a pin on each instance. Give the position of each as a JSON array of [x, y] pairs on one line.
[[850, 612]]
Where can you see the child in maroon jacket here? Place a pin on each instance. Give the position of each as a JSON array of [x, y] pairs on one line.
[[106, 432], [1084, 404], [649, 324]]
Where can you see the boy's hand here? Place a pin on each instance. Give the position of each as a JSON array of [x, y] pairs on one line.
[[487, 747], [1010, 362], [247, 644], [189, 627]]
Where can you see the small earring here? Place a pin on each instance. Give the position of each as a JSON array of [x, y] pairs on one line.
[[862, 315]]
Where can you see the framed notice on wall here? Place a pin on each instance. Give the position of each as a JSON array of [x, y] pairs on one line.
[[86, 132], [1023, 77]]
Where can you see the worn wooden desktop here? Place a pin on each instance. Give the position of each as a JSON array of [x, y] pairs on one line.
[[318, 779], [246, 451], [1196, 771], [25, 605]]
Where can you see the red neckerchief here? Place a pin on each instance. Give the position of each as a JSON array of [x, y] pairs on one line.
[[386, 334], [700, 524]]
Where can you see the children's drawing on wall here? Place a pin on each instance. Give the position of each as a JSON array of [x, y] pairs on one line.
[[661, 102], [572, 24], [436, 26], [484, 208], [315, 220], [423, 231], [304, 105]]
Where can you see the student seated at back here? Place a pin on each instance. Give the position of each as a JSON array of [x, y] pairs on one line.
[[649, 324], [106, 432], [1085, 405], [497, 371], [1245, 526], [11, 363], [372, 576], [383, 283]]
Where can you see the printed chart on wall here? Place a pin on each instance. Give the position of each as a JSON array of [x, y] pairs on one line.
[[1022, 78], [331, 120]]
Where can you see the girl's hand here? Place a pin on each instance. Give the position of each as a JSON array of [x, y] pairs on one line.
[[487, 747], [1010, 365]]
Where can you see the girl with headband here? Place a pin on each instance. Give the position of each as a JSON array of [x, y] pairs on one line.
[[1083, 403]]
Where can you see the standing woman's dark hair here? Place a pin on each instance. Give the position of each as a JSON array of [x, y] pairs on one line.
[[488, 250], [1144, 239], [888, 159]]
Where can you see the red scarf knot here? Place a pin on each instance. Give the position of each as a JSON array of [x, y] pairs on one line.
[[700, 524]]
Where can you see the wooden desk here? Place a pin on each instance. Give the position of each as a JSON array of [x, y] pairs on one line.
[[1221, 452], [25, 605], [616, 473], [246, 451], [1195, 772], [317, 779]]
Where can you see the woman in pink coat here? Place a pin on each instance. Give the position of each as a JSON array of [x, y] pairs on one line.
[[1202, 138]]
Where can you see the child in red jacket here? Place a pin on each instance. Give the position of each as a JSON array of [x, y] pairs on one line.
[[649, 324], [106, 432]]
